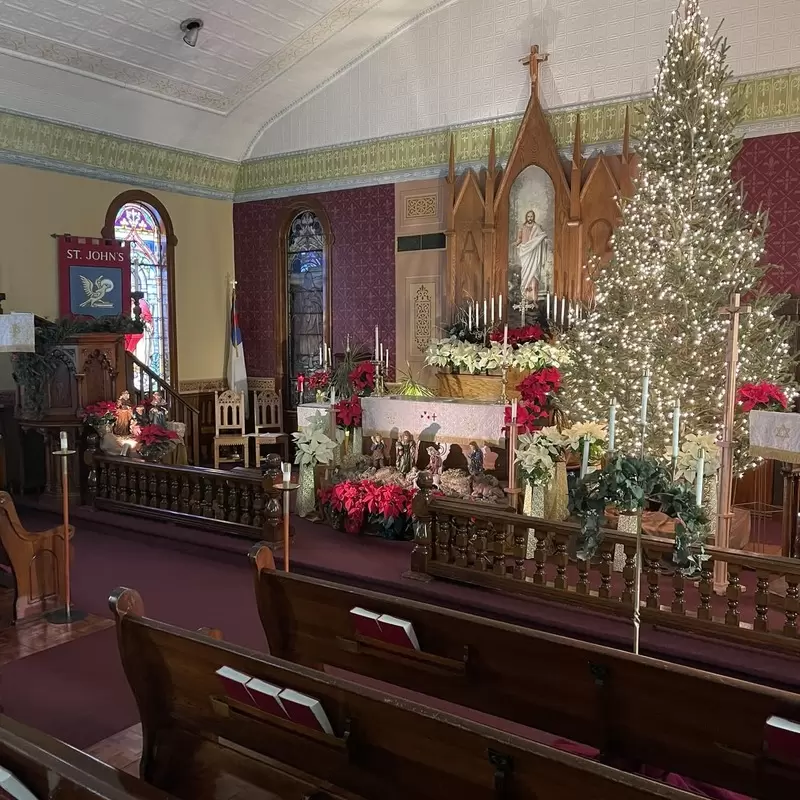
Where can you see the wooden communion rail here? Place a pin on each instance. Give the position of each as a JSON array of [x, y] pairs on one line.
[[470, 543]]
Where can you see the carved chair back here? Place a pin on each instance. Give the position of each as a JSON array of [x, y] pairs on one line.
[[229, 413], [268, 411]]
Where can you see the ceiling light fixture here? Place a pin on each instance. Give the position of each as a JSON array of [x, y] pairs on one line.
[[191, 30]]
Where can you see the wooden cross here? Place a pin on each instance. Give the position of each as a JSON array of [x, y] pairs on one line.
[[532, 61]]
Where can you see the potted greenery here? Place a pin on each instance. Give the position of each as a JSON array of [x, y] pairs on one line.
[[314, 447]]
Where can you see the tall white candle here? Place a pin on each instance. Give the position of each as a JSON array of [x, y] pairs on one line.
[[287, 471], [500, 307], [547, 306], [492, 304], [645, 396], [348, 342], [64, 441], [612, 424], [333, 395], [505, 336], [376, 342], [701, 468], [381, 352], [513, 409], [676, 428], [485, 314], [585, 459], [387, 361], [563, 310], [469, 324], [320, 356], [477, 315], [555, 308], [330, 357]]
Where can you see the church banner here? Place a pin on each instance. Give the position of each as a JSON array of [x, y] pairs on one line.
[[94, 277]]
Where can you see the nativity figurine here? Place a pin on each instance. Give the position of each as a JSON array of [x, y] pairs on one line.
[[474, 460], [157, 413], [377, 451], [406, 451], [435, 463]]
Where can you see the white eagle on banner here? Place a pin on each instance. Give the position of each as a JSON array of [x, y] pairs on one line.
[[95, 292]]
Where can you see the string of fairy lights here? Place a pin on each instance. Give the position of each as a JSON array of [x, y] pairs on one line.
[[685, 245]]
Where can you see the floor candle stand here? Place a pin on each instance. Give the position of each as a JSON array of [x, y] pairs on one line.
[[287, 487], [67, 614]]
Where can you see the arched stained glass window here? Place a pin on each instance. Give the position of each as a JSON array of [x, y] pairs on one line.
[[141, 225], [306, 293]]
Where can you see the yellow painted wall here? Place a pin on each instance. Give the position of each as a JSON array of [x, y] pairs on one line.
[[35, 203]]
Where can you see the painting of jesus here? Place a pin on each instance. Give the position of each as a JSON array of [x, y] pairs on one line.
[[530, 238]]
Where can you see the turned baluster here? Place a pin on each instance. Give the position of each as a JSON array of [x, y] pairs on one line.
[[705, 587], [245, 518], [424, 527], [471, 543], [195, 498], [653, 576], [791, 608], [732, 593], [207, 501], [679, 589], [132, 479], [259, 506], [582, 586], [761, 599], [102, 481], [181, 497], [561, 559], [153, 489], [218, 504], [175, 488], [113, 483], [143, 482], [481, 540], [520, 551], [442, 534], [461, 539], [540, 557], [605, 568], [233, 505], [629, 574], [163, 491], [499, 546]]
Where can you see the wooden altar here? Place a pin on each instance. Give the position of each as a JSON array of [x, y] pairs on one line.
[[585, 207]]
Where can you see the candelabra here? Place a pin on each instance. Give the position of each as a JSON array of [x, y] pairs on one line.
[[380, 388], [505, 363]]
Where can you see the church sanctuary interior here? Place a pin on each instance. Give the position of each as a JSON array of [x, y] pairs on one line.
[[399, 399]]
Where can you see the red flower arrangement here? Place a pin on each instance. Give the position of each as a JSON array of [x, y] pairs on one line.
[[154, 441], [362, 376], [351, 504], [102, 413], [761, 396], [348, 413], [537, 387], [319, 380], [517, 336], [530, 417]]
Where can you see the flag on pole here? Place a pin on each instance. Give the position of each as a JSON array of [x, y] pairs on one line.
[[237, 372]]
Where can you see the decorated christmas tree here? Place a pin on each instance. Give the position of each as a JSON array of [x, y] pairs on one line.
[[685, 245]]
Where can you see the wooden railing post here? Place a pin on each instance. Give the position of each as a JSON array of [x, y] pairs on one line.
[[423, 524], [90, 448]]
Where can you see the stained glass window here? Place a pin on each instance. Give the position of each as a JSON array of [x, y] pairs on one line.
[[141, 225], [306, 290]]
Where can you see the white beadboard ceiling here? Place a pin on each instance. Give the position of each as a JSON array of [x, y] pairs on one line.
[[121, 66]]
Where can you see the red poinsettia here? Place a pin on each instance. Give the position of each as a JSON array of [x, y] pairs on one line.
[[319, 380], [762, 396], [362, 376], [348, 412], [103, 412], [517, 336], [530, 417], [154, 441], [538, 386], [357, 499]]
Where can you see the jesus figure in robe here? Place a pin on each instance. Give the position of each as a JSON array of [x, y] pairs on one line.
[[532, 250]]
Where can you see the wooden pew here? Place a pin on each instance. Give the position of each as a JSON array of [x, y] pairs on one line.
[[639, 710], [49, 768], [200, 742]]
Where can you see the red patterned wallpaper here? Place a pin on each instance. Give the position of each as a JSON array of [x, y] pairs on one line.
[[769, 166], [362, 269]]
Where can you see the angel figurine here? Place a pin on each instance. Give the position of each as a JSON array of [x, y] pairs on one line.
[[435, 462], [157, 413], [406, 451], [377, 451], [474, 460]]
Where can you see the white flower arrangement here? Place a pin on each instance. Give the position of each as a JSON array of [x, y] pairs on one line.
[[537, 454], [314, 446], [689, 453], [472, 358]]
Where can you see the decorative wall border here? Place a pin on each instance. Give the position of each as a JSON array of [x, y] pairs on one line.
[[772, 104], [204, 385]]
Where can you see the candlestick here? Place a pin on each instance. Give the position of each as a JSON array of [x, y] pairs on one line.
[[492, 309], [701, 468], [645, 395], [376, 342], [676, 426], [585, 459], [485, 314], [286, 467], [469, 312], [505, 336], [500, 307], [612, 422]]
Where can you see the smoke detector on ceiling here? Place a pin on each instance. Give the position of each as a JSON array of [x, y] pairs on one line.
[[191, 30]]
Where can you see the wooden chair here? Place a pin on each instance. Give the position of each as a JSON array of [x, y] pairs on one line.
[[49, 768], [36, 559], [203, 736], [629, 707], [268, 414], [229, 421]]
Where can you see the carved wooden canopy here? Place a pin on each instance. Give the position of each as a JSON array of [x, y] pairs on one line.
[[585, 209]]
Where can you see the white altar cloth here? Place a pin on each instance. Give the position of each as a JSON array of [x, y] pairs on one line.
[[775, 434], [429, 419]]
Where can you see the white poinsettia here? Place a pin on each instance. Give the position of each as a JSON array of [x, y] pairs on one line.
[[314, 446], [491, 358], [593, 432], [440, 353], [689, 454], [554, 437], [537, 454], [534, 356]]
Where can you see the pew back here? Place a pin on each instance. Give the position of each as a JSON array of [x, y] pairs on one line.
[[705, 726], [50, 768], [381, 747]]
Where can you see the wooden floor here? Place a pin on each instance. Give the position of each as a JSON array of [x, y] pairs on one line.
[[122, 750]]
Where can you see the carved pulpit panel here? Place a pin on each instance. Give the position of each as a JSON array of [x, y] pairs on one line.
[[101, 367]]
